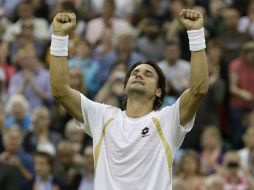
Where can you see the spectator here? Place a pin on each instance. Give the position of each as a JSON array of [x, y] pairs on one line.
[[231, 38], [17, 158], [241, 72], [82, 59], [76, 80], [151, 43], [176, 70], [234, 177], [17, 113], [211, 156], [6, 70], [112, 91], [189, 171], [44, 178], [246, 154], [77, 139], [65, 168], [96, 27], [25, 13], [85, 180], [24, 37], [32, 81], [124, 8], [41, 136]]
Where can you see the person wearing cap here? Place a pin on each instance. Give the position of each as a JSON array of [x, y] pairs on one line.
[[241, 79]]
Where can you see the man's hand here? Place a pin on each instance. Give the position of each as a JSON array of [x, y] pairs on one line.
[[64, 23], [191, 20]]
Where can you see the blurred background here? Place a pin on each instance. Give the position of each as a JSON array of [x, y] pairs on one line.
[[40, 147]]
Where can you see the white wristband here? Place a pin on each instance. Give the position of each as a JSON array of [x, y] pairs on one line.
[[196, 39], [59, 45]]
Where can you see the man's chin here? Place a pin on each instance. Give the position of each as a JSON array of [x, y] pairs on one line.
[[137, 90]]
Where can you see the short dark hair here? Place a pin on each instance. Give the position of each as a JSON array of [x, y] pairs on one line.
[[158, 102], [46, 155]]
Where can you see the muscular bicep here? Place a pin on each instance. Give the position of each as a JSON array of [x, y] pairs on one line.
[[189, 103], [72, 103]]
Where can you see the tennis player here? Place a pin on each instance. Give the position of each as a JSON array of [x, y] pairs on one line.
[[133, 149]]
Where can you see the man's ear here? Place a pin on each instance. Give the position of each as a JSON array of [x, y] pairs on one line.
[[158, 92]]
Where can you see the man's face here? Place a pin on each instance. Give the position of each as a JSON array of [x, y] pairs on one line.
[[25, 11], [172, 53], [249, 57], [42, 168], [12, 142], [143, 80], [231, 18]]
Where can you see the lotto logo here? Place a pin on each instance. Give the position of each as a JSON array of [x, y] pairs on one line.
[[145, 132]]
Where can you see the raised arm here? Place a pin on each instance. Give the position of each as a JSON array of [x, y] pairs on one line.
[[63, 24], [199, 79]]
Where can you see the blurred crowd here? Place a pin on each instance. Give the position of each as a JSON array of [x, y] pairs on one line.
[[40, 147]]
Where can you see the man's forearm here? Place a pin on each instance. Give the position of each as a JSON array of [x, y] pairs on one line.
[[199, 78], [59, 75]]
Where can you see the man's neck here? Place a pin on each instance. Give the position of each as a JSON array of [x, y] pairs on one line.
[[171, 62], [138, 106]]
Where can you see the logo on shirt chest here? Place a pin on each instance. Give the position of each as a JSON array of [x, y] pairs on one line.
[[145, 132]]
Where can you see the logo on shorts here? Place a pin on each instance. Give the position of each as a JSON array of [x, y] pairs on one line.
[[145, 132]]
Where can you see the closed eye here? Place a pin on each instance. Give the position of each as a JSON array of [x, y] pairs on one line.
[[149, 73]]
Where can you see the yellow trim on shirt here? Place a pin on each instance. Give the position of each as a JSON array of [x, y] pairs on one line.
[[165, 143], [98, 146]]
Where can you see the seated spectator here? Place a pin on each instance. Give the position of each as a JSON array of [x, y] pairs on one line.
[[96, 27], [25, 13], [85, 180], [233, 174], [6, 70], [246, 154], [76, 80], [77, 139], [231, 38], [89, 67], [14, 156], [41, 135], [24, 37], [211, 155], [44, 177], [241, 73], [176, 70], [17, 113], [65, 167], [151, 44], [32, 81], [124, 8], [189, 171], [112, 91]]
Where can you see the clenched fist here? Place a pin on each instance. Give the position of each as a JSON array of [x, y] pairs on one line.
[[192, 20], [64, 23]]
